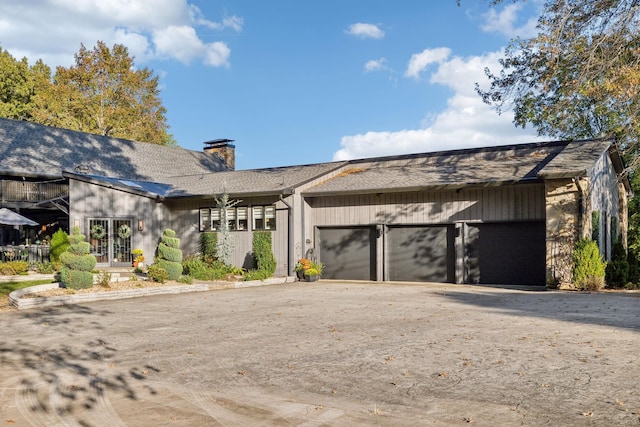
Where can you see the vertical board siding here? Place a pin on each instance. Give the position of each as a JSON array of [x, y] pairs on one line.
[[491, 204]]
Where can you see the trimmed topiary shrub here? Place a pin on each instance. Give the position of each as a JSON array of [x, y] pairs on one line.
[[634, 266], [59, 245], [77, 262], [170, 255], [617, 271], [588, 266]]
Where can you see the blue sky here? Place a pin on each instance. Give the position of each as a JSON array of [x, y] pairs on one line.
[[298, 82]]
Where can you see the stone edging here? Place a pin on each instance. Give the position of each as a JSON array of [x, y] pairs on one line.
[[16, 299]]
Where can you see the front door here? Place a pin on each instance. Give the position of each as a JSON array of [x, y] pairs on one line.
[[110, 240]]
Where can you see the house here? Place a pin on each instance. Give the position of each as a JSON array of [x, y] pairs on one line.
[[495, 215]]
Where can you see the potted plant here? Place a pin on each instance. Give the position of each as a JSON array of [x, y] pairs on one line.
[[137, 257], [302, 265], [314, 272]]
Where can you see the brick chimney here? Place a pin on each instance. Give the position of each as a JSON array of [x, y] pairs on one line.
[[224, 149]]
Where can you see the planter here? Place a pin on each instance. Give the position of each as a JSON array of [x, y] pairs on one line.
[[312, 278], [300, 275]]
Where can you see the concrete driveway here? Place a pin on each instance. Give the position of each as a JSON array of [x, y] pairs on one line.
[[329, 353]]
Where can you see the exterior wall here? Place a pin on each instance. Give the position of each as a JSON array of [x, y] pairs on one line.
[[521, 203], [92, 201], [185, 217], [563, 227], [570, 204]]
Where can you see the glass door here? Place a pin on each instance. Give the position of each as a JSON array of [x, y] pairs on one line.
[[99, 239], [110, 241], [121, 242]]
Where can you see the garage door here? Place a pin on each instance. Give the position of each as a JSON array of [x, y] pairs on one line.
[[421, 254], [513, 254], [348, 253]]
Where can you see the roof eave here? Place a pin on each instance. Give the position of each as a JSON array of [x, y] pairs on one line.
[[123, 188]]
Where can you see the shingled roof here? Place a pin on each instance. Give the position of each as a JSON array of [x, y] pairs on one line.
[[459, 168], [29, 149]]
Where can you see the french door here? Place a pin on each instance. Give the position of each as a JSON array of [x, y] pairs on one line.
[[110, 240]]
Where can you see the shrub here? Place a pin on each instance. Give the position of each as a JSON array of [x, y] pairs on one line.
[[209, 246], [617, 271], [588, 266], [263, 253], [256, 275], [59, 245], [311, 272], [634, 267], [169, 254], [173, 269], [77, 262], [74, 279], [157, 273], [11, 268], [104, 279], [186, 280], [45, 268]]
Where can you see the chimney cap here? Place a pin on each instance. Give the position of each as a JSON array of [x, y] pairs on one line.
[[221, 142]]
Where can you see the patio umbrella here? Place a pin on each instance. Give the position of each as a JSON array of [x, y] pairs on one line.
[[9, 217]]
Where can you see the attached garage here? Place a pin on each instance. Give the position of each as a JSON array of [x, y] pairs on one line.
[[505, 253], [420, 253]]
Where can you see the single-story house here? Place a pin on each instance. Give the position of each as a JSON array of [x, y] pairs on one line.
[[495, 215]]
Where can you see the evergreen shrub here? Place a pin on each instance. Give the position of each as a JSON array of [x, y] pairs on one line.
[[617, 271], [588, 266], [59, 245], [77, 262]]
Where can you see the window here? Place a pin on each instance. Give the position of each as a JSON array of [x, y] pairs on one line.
[[237, 218], [264, 217]]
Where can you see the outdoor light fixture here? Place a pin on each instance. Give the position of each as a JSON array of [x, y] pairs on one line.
[[140, 225], [76, 223]]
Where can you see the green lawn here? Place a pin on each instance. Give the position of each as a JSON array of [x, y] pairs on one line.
[[7, 287]]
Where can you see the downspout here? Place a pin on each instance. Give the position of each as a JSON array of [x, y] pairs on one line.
[[289, 234], [581, 213]]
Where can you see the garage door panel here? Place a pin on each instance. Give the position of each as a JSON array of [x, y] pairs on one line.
[[506, 253], [420, 253], [348, 253]]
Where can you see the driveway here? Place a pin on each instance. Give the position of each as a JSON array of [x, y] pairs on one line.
[[329, 353]]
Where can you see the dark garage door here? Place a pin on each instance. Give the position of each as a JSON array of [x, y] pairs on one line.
[[348, 253], [513, 254], [421, 254]]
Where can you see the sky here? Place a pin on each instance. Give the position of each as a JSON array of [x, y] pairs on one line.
[[297, 82]]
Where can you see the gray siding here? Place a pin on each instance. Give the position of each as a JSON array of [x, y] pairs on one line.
[[493, 204], [91, 201]]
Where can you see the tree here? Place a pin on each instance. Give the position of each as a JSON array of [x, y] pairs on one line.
[[579, 77], [18, 84], [104, 94]]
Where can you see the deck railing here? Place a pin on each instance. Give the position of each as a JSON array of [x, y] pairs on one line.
[[25, 191]]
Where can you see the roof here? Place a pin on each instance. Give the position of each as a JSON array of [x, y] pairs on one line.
[[282, 180], [30, 149], [460, 168]]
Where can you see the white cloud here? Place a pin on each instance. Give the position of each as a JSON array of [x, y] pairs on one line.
[[365, 31], [420, 61], [465, 123], [506, 22], [375, 65], [52, 30]]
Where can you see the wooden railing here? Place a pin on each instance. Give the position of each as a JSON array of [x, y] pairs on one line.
[[25, 191]]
